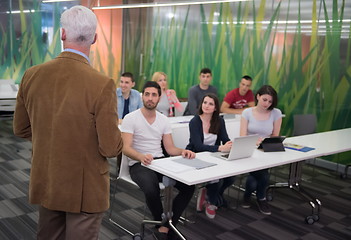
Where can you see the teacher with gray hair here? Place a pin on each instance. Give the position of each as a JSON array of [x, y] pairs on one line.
[[68, 111]]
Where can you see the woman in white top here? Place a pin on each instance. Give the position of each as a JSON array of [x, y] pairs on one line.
[[265, 120], [169, 99]]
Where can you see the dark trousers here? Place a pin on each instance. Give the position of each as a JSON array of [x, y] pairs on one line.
[[58, 225], [215, 190], [148, 181], [257, 181]]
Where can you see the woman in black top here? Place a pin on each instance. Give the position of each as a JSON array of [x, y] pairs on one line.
[[208, 133]]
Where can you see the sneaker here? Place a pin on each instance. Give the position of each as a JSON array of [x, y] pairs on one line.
[[201, 199], [159, 235], [264, 207], [211, 211], [246, 202]]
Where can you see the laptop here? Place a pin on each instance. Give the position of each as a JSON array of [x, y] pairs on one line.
[[243, 147], [272, 144]]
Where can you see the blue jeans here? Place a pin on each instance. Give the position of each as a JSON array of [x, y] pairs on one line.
[[257, 181], [215, 191], [148, 181]]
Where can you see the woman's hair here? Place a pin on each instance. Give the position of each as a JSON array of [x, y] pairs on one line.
[[269, 90], [79, 23], [156, 76], [215, 119]]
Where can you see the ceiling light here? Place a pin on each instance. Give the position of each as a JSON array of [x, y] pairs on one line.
[[23, 11], [52, 1], [170, 15], [279, 22], [161, 4]]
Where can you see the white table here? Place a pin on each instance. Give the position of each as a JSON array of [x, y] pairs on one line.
[[325, 143], [8, 94]]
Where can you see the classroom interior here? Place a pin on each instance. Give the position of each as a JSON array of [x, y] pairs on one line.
[[301, 48]]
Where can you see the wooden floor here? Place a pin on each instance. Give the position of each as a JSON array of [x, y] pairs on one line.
[[18, 219]]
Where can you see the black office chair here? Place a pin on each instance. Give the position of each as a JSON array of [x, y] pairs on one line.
[[304, 124]]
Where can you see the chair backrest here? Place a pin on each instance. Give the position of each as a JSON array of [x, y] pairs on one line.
[[124, 170], [304, 124], [125, 175], [177, 113]]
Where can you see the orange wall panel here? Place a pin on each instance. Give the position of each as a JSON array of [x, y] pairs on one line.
[[106, 53]]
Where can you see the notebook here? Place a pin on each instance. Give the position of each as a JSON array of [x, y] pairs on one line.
[[243, 147], [195, 163], [298, 147], [272, 144]]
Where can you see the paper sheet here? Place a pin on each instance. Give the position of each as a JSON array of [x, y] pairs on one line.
[[181, 164]]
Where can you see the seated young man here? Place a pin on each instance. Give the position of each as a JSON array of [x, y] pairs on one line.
[[142, 133], [239, 98], [128, 99], [197, 92]]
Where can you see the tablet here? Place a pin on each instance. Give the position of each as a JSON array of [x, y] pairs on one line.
[[272, 144]]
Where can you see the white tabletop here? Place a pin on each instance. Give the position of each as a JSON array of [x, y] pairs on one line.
[[8, 89], [8, 94], [325, 143]]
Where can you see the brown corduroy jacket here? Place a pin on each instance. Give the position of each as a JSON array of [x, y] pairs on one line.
[[69, 112]]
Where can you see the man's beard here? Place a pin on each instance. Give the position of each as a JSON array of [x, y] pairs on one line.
[[149, 107]]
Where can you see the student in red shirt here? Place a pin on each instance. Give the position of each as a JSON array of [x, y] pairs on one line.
[[239, 98]]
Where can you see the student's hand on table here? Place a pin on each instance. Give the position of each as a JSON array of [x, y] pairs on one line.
[[188, 154], [226, 147], [147, 159], [259, 141]]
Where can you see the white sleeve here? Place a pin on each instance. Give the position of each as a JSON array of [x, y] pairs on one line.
[[163, 123], [246, 114], [168, 128], [276, 114], [127, 125]]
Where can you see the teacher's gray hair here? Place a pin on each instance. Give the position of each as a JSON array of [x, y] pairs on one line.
[[80, 24]]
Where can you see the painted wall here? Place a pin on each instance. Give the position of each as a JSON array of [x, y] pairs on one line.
[[106, 53]]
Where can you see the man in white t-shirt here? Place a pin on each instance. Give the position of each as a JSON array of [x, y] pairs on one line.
[[143, 131]]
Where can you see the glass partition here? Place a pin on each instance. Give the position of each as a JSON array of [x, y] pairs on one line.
[[301, 48], [29, 34]]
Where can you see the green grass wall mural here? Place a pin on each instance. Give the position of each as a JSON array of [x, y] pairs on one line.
[[311, 71], [23, 47], [234, 39]]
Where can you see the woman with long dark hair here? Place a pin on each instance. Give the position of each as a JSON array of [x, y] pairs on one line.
[[265, 120], [208, 133]]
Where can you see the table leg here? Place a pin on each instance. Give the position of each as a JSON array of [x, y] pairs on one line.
[[293, 183], [167, 208]]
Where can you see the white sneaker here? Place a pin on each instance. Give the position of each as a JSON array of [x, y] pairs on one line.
[[211, 211]]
